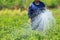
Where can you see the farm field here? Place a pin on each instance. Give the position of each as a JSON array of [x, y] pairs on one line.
[[11, 29]]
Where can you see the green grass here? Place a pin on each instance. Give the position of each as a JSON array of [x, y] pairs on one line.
[[11, 29]]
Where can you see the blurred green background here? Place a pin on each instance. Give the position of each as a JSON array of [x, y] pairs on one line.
[[13, 16], [25, 3]]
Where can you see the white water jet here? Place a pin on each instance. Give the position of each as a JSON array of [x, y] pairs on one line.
[[44, 21]]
